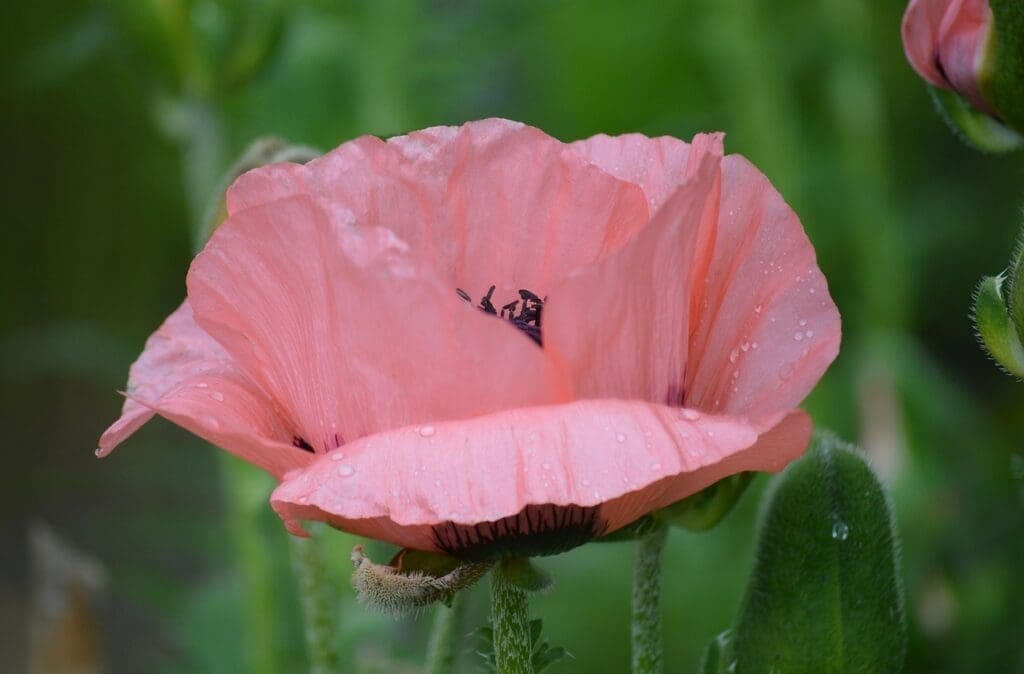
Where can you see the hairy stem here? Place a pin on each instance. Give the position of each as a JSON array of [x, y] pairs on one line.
[[441, 651], [511, 623], [319, 603], [647, 637]]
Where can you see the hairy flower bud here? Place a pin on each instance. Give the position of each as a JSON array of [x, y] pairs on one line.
[[970, 51]]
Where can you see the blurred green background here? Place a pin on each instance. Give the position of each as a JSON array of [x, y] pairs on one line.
[[118, 118]]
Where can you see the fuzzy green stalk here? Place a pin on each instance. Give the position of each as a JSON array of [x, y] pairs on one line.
[[319, 605], [441, 650], [511, 624], [646, 634]]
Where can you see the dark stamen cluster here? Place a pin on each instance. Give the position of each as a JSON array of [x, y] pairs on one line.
[[536, 530], [528, 318]]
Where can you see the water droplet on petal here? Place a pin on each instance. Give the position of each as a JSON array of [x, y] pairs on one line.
[[586, 483], [757, 309], [745, 346], [753, 345], [218, 396], [427, 431], [803, 322], [212, 422], [546, 466], [786, 371], [691, 415], [202, 384], [798, 336], [345, 470], [733, 356], [620, 438], [99, 451], [840, 530], [655, 466], [337, 456], [808, 333]]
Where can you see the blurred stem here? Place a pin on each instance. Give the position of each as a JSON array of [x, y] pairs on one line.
[[441, 647], [319, 603], [387, 57], [246, 488], [647, 637], [511, 623]]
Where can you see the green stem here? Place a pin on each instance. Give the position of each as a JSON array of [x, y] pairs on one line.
[[511, 624], [647, 635], [441, 649], [319, 603]]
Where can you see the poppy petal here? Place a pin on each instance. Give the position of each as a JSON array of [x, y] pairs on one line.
[[621, 325], [921, 29], [492, 202], [626, 458], [766, 328], [182, 364], [350, 332]]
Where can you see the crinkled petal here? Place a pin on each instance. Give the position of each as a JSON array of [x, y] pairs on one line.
[[921, 25], [765, 328], [490, 202], [625, 457], [621, 325], [657, 165], [350, 332], [962, 39], [186, 376]]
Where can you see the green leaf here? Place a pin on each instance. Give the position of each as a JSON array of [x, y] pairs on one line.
[[718, 655], [825, 595], [708, 507], [996, 331]]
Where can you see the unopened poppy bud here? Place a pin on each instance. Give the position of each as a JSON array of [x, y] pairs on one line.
[[414, 579], [971, 52], [999, 315]]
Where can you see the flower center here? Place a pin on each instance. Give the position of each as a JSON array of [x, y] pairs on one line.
[[536, 530], [528, 318]]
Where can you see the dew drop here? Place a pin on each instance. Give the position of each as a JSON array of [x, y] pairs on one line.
[[745, 346], [99, 451], [808, 333], [798, 336], [753, 345], [212, 422], [733, 356], [437, 483], [345, 470], [840, 530], [337, 456], [303, 500], [786, 371], [586, 483], [427, 431], [691, 415], [757, 309], [655, 466], [620, 438], [803, 322], [202, 384], [218, 396], [546, 466], [811, 291]]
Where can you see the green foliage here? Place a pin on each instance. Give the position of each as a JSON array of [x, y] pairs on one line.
[[706, 508], [975, 127], [543, 654], [825, 596], [1007, 42]]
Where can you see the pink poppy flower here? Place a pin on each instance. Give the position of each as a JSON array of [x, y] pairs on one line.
[[946, 41], [481, 340]]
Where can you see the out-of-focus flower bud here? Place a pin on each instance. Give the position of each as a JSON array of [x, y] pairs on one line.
[[999, 315], [971, 52]]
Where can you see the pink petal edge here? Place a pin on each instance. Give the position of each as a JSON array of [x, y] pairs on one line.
[[627, 457]]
